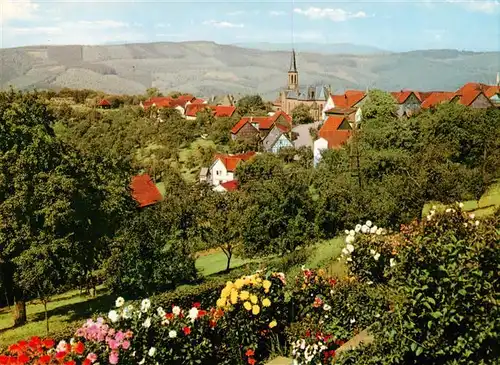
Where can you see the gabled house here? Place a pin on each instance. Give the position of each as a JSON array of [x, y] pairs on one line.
[[222, 111], [493, 93], [250, 127], [276, 140], [224, 166], [435, 98], [334, 133], [246, 129], [408, 102], [472, 96], [178, 103], [351, 99], [144, 191], [192, 110], [104, 104]]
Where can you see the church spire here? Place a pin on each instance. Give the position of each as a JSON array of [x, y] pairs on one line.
[[293, 62]]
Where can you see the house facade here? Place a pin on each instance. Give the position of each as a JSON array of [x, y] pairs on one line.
[[276, 140], [408, 103], [224, 166]]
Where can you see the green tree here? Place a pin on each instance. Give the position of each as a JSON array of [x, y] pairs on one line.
[[301, 114], [153, 92], [252, 105]]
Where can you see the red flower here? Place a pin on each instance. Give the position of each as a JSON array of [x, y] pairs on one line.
[[251, 361], [61, 355], [212, 324], [201, 313], [197, 305], [308, 333], [23, 359], [249, 353], [71, 362], [14, 348], [34, 342], [186, 330], [4, 359], [45, 359], [86, 362], [79, 348], [48, 343], [169, 316]]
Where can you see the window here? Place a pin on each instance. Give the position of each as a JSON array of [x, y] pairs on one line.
[[218, 173]]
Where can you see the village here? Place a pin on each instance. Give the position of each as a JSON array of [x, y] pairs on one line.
[[335, 118]]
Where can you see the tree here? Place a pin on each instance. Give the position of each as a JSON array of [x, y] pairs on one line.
[[153, 92], [222, 222], [252, 105], [301, 114], [379, 104]]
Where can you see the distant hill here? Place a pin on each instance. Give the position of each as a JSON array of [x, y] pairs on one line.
[[323, 48], [207, 68]]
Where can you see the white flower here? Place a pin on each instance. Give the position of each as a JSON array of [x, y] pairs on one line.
[[119, 302], [142, 361], [472, 216], [349, 239], [477, 223], [365, 228], [176, 310], [113, 316], [72, 341], [145, 305], [193, 314], [368, 224], [152, 351], [147, 323], [346, 231], [369, 282], [358, 228], [372, 252], [377, 256], [392, 262], [461, 205], [349, 247], [448, 210], [379, 231], [373, 229], [351, 232], [345, 252], [160, 312], [434, 207], [172, 334], [352, 320], [127, 312], [326, 307], [429, 217], [349, 259]]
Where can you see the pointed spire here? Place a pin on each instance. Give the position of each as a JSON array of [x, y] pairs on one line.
[[498, 78], [293, 62]]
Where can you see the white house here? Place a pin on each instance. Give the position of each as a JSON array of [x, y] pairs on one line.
[[223, 168]]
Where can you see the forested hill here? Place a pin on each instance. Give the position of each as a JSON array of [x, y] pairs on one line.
[[207, 68]]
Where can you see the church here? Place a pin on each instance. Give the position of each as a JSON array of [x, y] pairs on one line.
[[313, 96]]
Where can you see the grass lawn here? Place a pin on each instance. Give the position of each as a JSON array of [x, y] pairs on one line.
[[486, 205], [185, 154], [216, 262], [65, 310]]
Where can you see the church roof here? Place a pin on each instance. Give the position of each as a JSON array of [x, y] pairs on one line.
[[293, 62], [309, 93]]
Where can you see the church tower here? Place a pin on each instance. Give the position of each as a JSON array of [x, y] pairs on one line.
[[293, 74]]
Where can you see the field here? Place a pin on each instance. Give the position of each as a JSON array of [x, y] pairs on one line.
[[68, 310]]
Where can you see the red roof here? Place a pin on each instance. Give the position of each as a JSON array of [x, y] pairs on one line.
[[144, 191], [104, 102], [224, 111], [197, 101], [468, 96], [193, 109], [403, 95], [259, 120], [265, 123], [492, 90], [349, 99], [231, 161], [436, 98], [168, 101], [330, 131], [230, 185]]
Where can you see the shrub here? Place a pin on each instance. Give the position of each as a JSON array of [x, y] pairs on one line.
[[447, 276]]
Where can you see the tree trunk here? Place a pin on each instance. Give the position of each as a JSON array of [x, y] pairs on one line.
[[229, 254], [46, 316], [19, 313], [7, 298]]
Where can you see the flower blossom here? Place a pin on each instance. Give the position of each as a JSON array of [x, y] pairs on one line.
[[113, 316], [145, 305], [119, 302]]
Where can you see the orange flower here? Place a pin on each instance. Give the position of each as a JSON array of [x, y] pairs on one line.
[[249, 353], [251, 361]]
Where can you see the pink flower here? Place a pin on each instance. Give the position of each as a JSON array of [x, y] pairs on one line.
[[113, 358], [92, 357], [126, 345], [119, 336], [113, 344]]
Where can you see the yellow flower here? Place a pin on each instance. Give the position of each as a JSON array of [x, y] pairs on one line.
[[255, 309], [247, 306], [244, 295], [238, 284], [258, 280], [221, 302], [266, 302], [225, 292], [273, 324], [254, 299], [234, 296], [266, 284]]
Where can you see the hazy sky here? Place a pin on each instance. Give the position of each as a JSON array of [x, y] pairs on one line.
[[393, 25]]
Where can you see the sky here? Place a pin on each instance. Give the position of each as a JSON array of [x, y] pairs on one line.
[[400, 25]]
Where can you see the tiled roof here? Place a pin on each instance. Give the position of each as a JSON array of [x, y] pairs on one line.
[[265, 123], [168, 101], [144, 191], [491, 91], [245, 120], [197, 101], [330, 131], [193, 109], [231, 161], [468, 96], [436, 98], [403, 95], [341, 111], [224, 111], [104, 102], [349, 99], [231, 185]]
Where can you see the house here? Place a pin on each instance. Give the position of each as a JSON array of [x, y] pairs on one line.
[[472, 95], [227, 186], [493, 93], [249, 128], [222, 111], [435, 98], [314, 96], [192, 110], [224, 166], [276, 140], [351, 99], [334, 133], [408, 102], [144, 191], [204, 174], [104, 104], [354, 115], [178, 103]]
